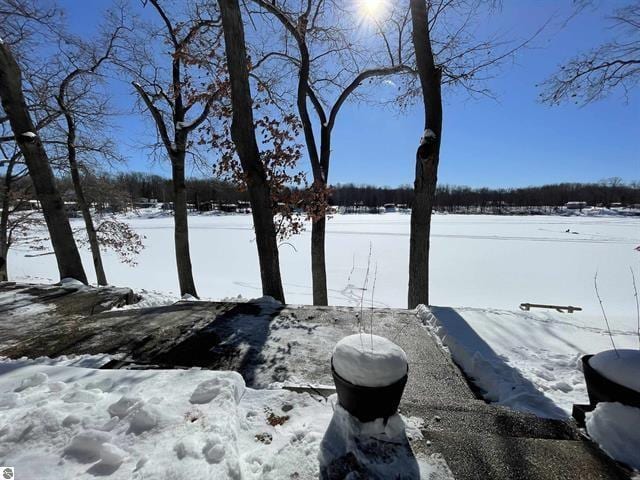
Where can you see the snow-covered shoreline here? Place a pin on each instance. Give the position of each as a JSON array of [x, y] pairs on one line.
[[476, 261]]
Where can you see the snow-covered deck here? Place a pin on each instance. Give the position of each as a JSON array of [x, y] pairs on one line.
[[274, 346]]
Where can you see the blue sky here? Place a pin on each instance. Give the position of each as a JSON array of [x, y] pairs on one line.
[[511, 141]]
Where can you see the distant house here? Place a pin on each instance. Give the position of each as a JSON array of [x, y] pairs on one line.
[[145, 202], [244, 207], [575, 205], [390, 207], [374, 210], [228, 207], [33, 205], [208, 206]]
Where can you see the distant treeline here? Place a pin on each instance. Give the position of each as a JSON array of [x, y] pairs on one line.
[[130, 187]]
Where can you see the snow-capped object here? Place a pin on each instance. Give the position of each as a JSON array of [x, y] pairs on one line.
[[614, 427], [369, 360], [622, 367], [28, 135], [266, 301], [347, 437], [428, 133], [182, 125]]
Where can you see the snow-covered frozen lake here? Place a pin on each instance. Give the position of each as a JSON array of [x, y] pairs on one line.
[[477, 261], [482, 266]]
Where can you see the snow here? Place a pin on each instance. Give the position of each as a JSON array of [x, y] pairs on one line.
[[482, 267], [614, 427], [60, 420], [369, 360], [476, 261], [621, 366], [347, 435], [28, 134], [500, 382], [71, 282], [428, 133], [182, 125], [529, 361]]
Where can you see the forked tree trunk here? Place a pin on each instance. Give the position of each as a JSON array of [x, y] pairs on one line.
[[13, 102], [427, 158], [181, 226], [244, 138]]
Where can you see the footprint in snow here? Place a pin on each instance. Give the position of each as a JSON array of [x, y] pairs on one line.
[[142, 420], [206, 391], [32, 381], [82, 396], [124, 406], [213, 450], [562, 386]]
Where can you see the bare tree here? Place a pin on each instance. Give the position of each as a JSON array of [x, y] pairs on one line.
[[610, 67], [244, 138], [74, 87], [321, 41], [427, 157], [446, 53], [170, 100], [25, 132]]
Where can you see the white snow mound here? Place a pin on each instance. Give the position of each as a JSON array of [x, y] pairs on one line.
[[369, 360], [614, 427]]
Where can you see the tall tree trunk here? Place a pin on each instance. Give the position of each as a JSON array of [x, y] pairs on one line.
[[4, 253], [427, 158], [4, 236], [13, 102], [244, 138], [181, 226], [318, 227], [318, 263], [4, 222], [83, 205]]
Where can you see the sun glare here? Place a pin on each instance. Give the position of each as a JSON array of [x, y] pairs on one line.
[[372, 8]]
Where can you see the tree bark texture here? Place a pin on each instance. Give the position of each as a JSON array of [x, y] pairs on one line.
[[427, 158], [243, 135], [14, 105], [181, 226]]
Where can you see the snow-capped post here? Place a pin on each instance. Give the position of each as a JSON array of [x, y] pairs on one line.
[[370, 373], [612, 376]]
